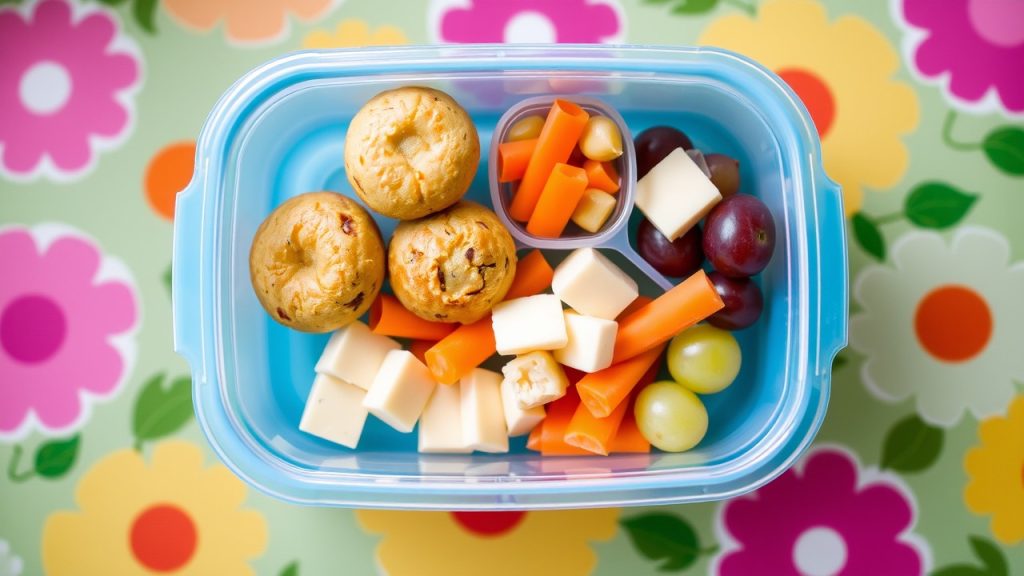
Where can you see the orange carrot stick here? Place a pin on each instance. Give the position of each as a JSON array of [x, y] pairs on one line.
[[533, 440], [602, 391], [687, 303], [533, 276], [389, 318], [602, 175], [628, 438], [558, 200], [419, 349], [458, 353], [513, 157], [562, 128], [559, 414], [594, 434], [637, 303]]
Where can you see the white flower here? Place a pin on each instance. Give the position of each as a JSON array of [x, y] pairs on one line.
[[944, 324], [10, 565]]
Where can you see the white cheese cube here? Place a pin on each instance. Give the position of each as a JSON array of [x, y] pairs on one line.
[[536, 379], [675, 194], [483, 424], [530, 323], [441, 422], [518, 420], [400, 391], [591, 342], [354, 354], [590, 284], [334, 411]]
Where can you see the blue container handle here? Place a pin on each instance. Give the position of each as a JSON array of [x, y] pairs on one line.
[[185, 277], [834, 290]]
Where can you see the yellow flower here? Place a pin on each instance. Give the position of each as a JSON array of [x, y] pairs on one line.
[[512, 543], [172, 516], [996, 472], [842, 71], [352, 33]]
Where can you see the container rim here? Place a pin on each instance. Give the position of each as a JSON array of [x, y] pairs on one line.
[[196, 323]]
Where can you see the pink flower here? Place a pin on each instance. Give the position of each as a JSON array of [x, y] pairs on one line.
[[581, 21], [824, 517], [65, 88], [973, 48], [67, 317]]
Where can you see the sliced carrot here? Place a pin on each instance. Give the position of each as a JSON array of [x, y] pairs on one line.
[[629, 439], [557, 201], [594, 434], [419, 349], [603, 391], [559, 414], [469, 345], [513, 158], [389, 318], [602, 175], [533, 440], [562, 128], [533, 276], [637, 303], [685, 304]]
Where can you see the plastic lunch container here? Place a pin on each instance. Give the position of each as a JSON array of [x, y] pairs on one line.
[[279, 131]]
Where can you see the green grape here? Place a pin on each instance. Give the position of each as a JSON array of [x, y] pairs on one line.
[[704, 359], [670, 417]]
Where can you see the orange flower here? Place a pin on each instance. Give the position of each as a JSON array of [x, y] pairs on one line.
[[245, 21]]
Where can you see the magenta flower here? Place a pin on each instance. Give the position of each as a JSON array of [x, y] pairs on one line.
[[66, 320], [578, 21], [825, 517], [65, 87], [973, 48]]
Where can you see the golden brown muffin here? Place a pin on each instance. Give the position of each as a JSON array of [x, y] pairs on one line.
[[317, 262], [452, 266], [410, 152]]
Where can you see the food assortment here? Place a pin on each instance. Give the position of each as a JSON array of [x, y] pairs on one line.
[[580, 348], [562, 169]]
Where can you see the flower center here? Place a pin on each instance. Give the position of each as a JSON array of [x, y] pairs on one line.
[[529, 26], [32, 328], [45, 88], [815, 95], [820, 551], [953, 323], [998, 21], [489, 523], [163, 538]]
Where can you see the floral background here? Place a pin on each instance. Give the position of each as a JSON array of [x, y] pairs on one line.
[[919, 467]]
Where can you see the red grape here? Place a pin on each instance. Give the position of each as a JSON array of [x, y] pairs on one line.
[[676, 259], [743, 302], [653, 144], [739, 236], [725, 173]]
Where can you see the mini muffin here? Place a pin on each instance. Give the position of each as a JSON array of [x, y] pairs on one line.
[[452, 266], [410, 152], [317, 262]]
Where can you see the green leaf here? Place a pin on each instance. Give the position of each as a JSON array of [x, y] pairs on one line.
[[161, 411], [56, 457], [937, 205], [869, 236], [291, 569], [661, 536], [113, 2], [911, 445], [1005, 149], [959, 570], [167, 279], [144, 12], [694, 6], [990, 555]]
